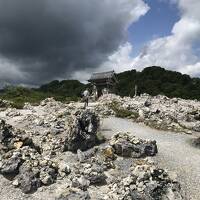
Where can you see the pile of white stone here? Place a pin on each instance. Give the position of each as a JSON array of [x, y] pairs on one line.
[[159, 112], [30, 159], [145, 181], [103, 173]]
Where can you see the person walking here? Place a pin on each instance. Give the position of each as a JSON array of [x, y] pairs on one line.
[[86, 95], [94, 93]]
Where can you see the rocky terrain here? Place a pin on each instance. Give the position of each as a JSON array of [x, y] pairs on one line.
[[158, 112], [56, 151]]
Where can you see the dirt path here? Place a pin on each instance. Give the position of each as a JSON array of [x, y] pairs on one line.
[[175, 152]]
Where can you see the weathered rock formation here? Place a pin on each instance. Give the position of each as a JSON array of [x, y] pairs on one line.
[[82, 132], [127, 145]]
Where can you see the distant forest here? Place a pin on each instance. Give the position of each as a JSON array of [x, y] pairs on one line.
[[156, 80], [152, 80]]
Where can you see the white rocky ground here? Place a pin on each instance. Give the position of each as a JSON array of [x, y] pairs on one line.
[[45, 150], [175, 152]]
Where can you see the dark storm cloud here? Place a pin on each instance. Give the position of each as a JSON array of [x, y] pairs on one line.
[[46, 39]]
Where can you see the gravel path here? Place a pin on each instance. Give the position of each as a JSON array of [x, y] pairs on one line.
[[175, 152]]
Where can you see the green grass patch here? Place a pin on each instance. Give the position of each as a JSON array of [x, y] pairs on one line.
[[121, 112], [20, 95]]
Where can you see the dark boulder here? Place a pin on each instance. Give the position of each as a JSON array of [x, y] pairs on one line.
[[48, 175], [97, 176], [82, 132], [28, 180], [146, 149], [127, 145], [147, 103], [6, 134], [10, 166]]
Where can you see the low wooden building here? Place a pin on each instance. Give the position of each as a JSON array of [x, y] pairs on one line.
[[104, 81]]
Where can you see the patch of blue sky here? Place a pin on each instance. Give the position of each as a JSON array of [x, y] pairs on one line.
[[158, 22]]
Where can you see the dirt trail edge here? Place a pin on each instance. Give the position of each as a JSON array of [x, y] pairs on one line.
[[175, 152]]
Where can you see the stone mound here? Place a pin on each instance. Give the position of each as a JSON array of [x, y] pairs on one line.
[[128, 145], [29, 162], [159, 112]]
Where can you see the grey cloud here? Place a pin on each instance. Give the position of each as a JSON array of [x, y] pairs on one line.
[[48, 39]]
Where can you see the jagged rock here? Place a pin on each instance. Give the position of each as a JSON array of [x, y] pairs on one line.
[[81, 183], [5, 132], [145, 182], [83, 156], [64, 169], [82, 131], [97, 176], [48, 175], [11, 138], [128, 145], [93, 172], [11, 165], [28, 180], [22, 159]]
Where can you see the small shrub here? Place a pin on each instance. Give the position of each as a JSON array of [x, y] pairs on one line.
[[18, 105], [19, 95], [100, 138]]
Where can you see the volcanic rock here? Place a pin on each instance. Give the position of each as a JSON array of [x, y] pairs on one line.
[[5, 132], [11, 165], [128, 145], [82, 132], [28, 180]]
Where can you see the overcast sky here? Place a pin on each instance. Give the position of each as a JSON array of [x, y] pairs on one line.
[[43, 40]]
